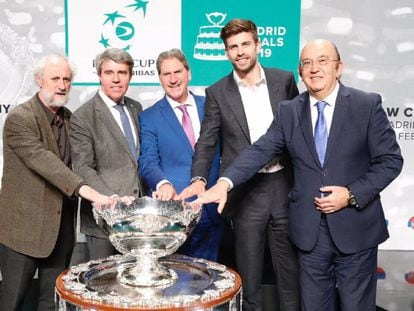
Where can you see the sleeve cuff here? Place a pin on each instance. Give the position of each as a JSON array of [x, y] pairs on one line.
[[228, 180]]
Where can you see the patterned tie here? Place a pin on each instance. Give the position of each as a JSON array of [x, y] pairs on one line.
[[321, 132], [127, 128], [187, 125]]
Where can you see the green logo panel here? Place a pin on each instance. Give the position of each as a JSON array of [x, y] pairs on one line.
[[278, 25]]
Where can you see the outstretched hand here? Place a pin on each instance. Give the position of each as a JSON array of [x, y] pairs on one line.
[[216, 194], [165, 192], [196, 188]]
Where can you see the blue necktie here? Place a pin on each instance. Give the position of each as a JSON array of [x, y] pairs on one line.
[[321, 132], [127, 128]]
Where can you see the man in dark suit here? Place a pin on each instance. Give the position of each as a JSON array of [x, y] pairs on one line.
[[167, 151], [336, 216], [105, 142], [38, 195], [239, 109]]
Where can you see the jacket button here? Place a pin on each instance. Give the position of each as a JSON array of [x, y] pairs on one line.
[[135, 191]]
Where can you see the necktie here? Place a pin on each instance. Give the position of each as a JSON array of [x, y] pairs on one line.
[[321, 132], [127, 128], [187, 125]]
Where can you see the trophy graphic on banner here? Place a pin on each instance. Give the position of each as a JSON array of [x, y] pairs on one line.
[[209, 45]]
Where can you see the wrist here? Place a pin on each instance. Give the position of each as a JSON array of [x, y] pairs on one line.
[[352, 201], [199, 178]]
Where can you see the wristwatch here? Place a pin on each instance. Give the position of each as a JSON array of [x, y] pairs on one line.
[[197, 178], [352, 201]]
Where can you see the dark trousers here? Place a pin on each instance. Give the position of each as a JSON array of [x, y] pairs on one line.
[[18, 269], [99, 247], [205, 239], [326, 274], [263, 210]]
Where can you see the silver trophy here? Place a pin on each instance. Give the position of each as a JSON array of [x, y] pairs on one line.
[[148, 229]]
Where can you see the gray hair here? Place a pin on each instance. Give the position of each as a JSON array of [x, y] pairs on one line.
[[39, 67], [117, 55], [173, 53]]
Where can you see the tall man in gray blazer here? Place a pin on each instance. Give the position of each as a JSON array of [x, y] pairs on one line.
[[105, 144], [239, 108], [38, 196]]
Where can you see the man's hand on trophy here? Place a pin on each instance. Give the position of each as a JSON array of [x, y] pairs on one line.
[[195, 188], [217, 194], [165, 192], [127, 199]]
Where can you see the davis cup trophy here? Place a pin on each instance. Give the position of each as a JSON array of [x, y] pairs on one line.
[[146, 231]]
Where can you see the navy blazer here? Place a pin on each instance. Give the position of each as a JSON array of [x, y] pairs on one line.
[[166, 152], [362, 154]]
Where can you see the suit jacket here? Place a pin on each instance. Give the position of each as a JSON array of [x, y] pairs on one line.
[[362, 154], [101, 156], [166, 152], [34, 181], [225, 119]]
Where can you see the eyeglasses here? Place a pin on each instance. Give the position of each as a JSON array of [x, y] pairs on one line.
[[321, 62]]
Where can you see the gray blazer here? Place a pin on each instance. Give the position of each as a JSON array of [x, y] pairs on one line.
[[34, 182], [101, 156]]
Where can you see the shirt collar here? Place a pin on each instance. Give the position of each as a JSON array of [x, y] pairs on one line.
[[330, 99], [262, 79], [174, 104], [109, 102]]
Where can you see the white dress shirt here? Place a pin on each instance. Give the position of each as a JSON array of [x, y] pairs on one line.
[[258, 110], [115, 113], [328, 111]]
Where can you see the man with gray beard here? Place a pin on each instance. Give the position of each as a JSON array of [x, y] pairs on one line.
[[38, 199]]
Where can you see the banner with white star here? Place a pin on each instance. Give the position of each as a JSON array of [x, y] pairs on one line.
[[145, 28]]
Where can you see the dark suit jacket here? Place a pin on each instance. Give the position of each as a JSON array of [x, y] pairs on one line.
[[225, 119], [101, 156], [34, 182], [166, 152], [362, 153]]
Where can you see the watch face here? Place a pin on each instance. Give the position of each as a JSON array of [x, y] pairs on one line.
[[352, 201]]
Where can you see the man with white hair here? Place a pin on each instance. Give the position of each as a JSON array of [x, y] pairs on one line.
[[38, 196]]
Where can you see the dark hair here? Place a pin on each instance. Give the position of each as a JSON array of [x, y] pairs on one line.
[[173, 53], [236, 26], [117, 55]]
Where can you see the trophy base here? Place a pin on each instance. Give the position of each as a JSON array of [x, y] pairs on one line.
[[200, 285], [148, 274]]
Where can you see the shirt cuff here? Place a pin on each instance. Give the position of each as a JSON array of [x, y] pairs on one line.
[[228, 180], [162, 182]]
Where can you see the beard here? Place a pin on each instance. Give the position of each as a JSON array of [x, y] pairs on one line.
[[51, 100]]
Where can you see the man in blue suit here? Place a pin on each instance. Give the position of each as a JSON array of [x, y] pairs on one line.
[[336, 216], [167, 151]]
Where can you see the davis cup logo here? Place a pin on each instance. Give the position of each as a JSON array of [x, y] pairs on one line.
[[209, 45], [119, 27]]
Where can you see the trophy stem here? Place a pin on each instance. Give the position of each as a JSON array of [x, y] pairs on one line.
[[148, 272]]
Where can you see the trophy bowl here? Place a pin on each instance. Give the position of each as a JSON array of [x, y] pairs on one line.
[[148, 229]]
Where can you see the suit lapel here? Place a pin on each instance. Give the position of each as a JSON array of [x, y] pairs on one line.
[[273, 89], [170, 118], [338, 119], [306, 125], [103, 113], [134, 116], [234, 100]]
